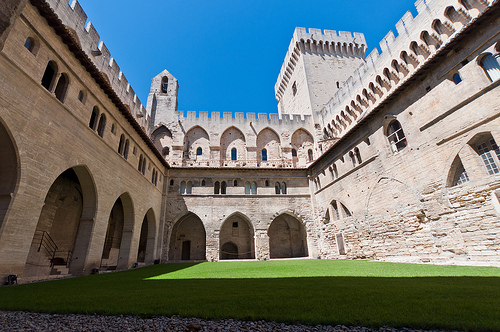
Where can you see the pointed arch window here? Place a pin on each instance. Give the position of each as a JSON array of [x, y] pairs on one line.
[[223, 187], [254, 188], [234, 154], [93, 118], [216, 187], [458, 174], [125, 150], [277, 188], [62, 87], [164, 84], [49, 74], [283, 188], [183, 188], [490, 154], [396, 136], [491, 65], [102, 125], [189, 188], [247, 188], [310, 154], [121, 145], [294, 153], [29, 44]]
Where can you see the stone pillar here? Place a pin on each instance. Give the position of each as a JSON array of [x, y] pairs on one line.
[[262, 244], [78, 265], [212, 251]]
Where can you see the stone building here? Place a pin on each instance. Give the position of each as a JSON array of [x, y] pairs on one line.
[[389, 156]]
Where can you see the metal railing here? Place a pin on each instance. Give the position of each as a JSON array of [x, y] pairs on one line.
[[47, 243]]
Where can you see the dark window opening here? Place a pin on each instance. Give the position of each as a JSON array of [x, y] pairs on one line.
[[234, 154], [62, 87], [199, 151], [235, 224], [456, 78], [223, 188], [49, 74], [294, 88], [396, 136], [165, 151], [264, 155], [29, 44], [294, 153]]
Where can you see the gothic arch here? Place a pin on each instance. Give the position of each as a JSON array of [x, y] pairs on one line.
[[232, 138], [147, 238], [65, 221], [238, 230], [9, 170], [196, 138], [302, 141], [162, 139], [268, 140], [287, 237], [187, 238]]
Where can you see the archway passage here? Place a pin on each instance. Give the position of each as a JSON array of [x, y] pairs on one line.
[[236, 239], [111, 251], [145, 253], [56, 233], [8, 171], [188, 239], [287, 237]]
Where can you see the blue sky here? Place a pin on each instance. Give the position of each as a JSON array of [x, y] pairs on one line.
[[226, 54]]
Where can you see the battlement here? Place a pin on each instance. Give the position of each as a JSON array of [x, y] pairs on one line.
[[239, 119], [419, 39], [73, 16], [317, 41]]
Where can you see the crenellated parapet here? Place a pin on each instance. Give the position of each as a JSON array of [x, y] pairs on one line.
[[316, 41], [75, 19], [419, 40]]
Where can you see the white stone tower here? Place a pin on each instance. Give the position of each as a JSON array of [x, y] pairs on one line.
[[162, 100], [316, 65]]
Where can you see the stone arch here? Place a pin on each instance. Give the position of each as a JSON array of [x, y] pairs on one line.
[[458, 18], [197, 138], [147, 238], [287, 237], [391, 207], [187, 238], [162, 139], [269, 140], [231, 138], [63, 231], [238, 230], [9, 170], [302, 141], [116, 251]]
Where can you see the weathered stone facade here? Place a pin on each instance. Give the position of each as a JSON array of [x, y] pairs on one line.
[[392, 156]]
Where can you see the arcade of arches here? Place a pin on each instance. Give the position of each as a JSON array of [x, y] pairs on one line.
[[236, 239]]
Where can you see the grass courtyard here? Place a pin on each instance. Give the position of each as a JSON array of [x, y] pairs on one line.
[[310, 291]]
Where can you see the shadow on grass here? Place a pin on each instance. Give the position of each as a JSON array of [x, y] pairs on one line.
[[465, 303]]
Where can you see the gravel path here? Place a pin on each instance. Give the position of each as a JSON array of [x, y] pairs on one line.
[[26, 321]]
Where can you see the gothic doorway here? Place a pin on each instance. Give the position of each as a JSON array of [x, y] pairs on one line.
[[188, 239], [287, 237], [237, 238]]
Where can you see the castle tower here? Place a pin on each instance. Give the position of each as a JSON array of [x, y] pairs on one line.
[[162, 100], [315, 66]]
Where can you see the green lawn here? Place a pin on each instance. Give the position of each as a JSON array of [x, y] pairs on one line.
[[310, 291]]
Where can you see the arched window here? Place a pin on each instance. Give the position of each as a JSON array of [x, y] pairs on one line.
[[143, 170], [203, 183], [277, 188], [165, 151], [125, 150], [458, 174], [247, 188], [294, 153], [491, 65], [199, 151], [81, 96], [183, 187], [48, 76], [102, 125], [396, 136], [216, 187], [164, 84], [139, 167], [171, 182], [121, 145], [267, 183], [254, 188], [283, 188], [235, 183], [29, 44], [490, 154], [62, 87], [234, 154], [310, 154], [223, 187], [93, 118], [153, 177], [264, 155], [189, 188]]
